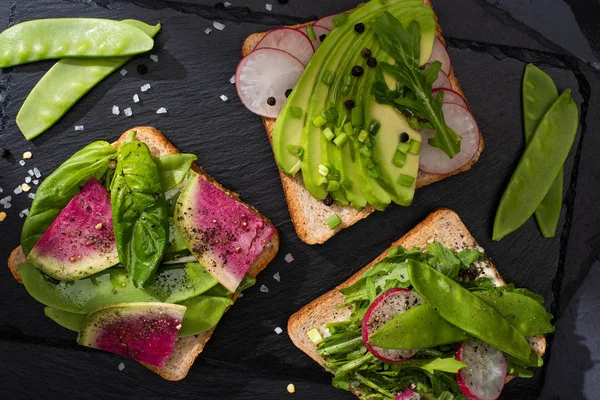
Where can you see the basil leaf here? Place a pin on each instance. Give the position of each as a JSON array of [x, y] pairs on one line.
[[61, 186], [173, 168], [139, 211]]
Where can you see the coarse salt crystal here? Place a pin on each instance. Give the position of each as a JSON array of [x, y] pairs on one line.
[[154, 57], [289, 258], [145, 87], [30, 172], [1, 190], [27, 179], [2, 216], [31, 195], [3, 200], [27, 155], [240, 295], [128, 111], [18, 190], [79, 127], [277, 277], [121, 366], [278, 330], [123, 72], [22, 163], [161, 110], [116, 110], [264, 289], [224, 98], [269, 7], [36, 181], [7, 205], [25, 211], [232, 79], [226, 4], [37, 172], [136, 98], [218, 26], [208, 31]]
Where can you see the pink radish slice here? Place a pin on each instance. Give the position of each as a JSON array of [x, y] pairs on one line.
[[484, 377], [439, 53], [433, 159], [326, 22], [442, 81], [450, 96], [319, 31], [408, 394], [266, 73], [383, 309], [289, 40]]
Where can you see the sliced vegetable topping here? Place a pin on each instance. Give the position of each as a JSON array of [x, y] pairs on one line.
[[484, 377], [291, 41]]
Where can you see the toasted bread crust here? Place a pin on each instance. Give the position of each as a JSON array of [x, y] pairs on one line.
[[186, 349], [442, 225], [308, 214]]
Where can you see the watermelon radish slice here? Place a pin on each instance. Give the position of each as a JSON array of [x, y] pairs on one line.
[[484, 377], [225, 235], [265, 74], [289, 40], [408, 394], [145, 332], [433, 159], [442, 81], [439, 53], [383, 309], [319, 31], [450, 96], [81, 240]]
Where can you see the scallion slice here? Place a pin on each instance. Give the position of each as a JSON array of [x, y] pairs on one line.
[[373, 170], [333, 186], [339, 19], [328, 134], [331, 114], [362, 136], [319, 121], [340, 140], [296, 112], [348, 129], [323, 170], [298, 151], [415, 147], [333, 221], [328, 77], [365, 151], [403, 147], [357, 116], [399, 159], [310, 32], [347, 183], [374, 126], [406, 180]]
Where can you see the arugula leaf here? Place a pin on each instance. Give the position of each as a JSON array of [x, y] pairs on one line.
[[403, 45], [430, 365], [444, 260], [469, 256]]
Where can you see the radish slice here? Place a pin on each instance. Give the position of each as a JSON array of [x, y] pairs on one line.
[[450, 96], [484, 377], [326, 22], [433, 159], [408, 394], [266, 73], [319, 31], [385, 308], [289, 40], [439, 53], [442, 81]]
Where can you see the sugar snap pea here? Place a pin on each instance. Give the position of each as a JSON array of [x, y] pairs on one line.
[[539, 166], [45, 39], [65, 83], [539, 93], [202, 314], [71, 321], [466, 311]]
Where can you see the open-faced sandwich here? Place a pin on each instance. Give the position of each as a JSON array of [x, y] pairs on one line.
[[139, 250], [430, 318], [361, 108]]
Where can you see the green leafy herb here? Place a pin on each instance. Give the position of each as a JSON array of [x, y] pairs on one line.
[[430, 365], [403, 45], [444, 260]]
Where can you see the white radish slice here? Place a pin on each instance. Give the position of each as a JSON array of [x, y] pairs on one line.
[[484, 377], [326, 22], [385, 308], [439, 53], [442, 81], [450, 96], [408, 394], [290, 40], [266, 73], [433, 159], [319, 31]]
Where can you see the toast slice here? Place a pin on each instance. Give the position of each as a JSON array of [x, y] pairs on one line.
[[186, 349], [307, 213], [442, 225]]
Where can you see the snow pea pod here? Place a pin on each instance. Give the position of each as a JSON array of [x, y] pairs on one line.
[[539, 93], [71, 321], [45, 39], [202, 314], [466, 311], [169, 285], [539, 166], [65, 83]]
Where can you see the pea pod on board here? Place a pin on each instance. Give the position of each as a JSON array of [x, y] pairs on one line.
[[44, 39], [539, 93], [65, 83], [539, 166], [68, 320]]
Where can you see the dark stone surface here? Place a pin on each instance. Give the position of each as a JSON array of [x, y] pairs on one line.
[[245, 359]]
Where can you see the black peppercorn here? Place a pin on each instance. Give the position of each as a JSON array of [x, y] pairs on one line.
[[328, 201], [404, 137], [288, 92], [349, 104], [142, 69], [271, 101], [359, 28], [372, 62], [366, 52], [4, 152], [357, 70], [322, 37]]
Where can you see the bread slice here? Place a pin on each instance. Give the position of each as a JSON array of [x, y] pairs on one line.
[[186, 349], [307, 213], [443, 226]]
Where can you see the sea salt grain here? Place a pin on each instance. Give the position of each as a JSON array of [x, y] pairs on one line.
[[27, 179], [277, 277], [208, 31], [18, 190], [224, 98], [121, 366], [269, 7], [31, 195], [226, 4], [30, 172], [37, 172], [79, 127], [154, 57], [218, 26], [161, 110], [136, 98], [22, 163], [289, 258], [116, 110], [123, 72], [232, 79], [145, 87], [128, 111], [36, 181], [278, 330], [7, 205], [264, 289]]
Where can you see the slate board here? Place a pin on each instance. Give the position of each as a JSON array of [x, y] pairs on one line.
[[245, 358]]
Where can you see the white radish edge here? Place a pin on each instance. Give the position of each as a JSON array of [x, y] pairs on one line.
[[440, 53], [451, 96], [301, 54], [497, 367]]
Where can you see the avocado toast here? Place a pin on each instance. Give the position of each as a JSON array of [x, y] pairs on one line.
[[187, 348], [310, 214]]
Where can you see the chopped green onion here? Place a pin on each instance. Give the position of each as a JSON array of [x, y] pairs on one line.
[[403, 147], [415, 147], [373, 170], [374, 127], [296, 112], [298, 151], [328, 134], [362, 136], [365, 151], [296, 168], [315, 336], [406, 180], [346, 89], [319, 121], [399, 159], [310, 32], [348, 129], [322, 181], [348, 80], [331, 114], [328, 77], [340, 140], [333, 186], [357, 116], [323, 170], [333, 221], [339, 19], [347, 183]]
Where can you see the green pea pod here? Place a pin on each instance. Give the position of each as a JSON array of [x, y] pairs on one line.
[[65, 83], [139, 211], [173, 168], [44, 39], [61, 186], [418, 328], [111, 286], [466, 311], [539, 93], [202, 314], [539, 166], [68, 320]]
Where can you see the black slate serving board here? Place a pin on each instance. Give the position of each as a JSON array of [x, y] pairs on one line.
[[246, 359]]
